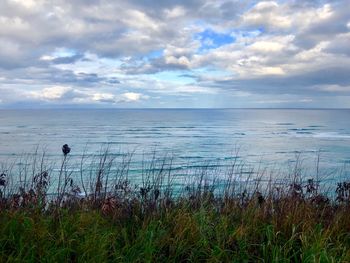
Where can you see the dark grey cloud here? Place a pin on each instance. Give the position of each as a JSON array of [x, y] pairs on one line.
[[153, 66], [54, 76], [332, 24], [305, 83], [340, 45]]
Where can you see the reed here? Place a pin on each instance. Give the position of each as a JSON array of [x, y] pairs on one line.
[[100, 213]]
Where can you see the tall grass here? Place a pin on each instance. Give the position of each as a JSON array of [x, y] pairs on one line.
[[94, 212]]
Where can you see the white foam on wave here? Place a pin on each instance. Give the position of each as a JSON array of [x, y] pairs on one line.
[[331, 135]]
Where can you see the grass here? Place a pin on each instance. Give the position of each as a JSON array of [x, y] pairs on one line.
[[181, 233], [114, 220]]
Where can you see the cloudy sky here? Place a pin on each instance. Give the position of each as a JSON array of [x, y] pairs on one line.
[[174, 53]]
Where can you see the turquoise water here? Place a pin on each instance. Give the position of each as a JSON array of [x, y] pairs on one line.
[[192, 137]]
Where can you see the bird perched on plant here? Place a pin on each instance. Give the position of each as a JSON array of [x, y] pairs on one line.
[[65, 149]]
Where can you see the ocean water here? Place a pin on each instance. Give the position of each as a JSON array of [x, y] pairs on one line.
[[272, 138]]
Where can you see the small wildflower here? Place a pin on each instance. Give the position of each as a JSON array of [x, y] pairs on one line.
[[310, 187], [109, 205]]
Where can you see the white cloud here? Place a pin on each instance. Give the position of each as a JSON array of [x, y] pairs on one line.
[[175, 12], [50, 93], [266, 46], [47, 58], [269, 71], [103, 97], [181, 61], [268, 14], [136, 19], [117, 98], [26, 3], [132, 96], [283, 101], [333, 88]]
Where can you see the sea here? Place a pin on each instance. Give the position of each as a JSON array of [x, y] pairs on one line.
[[271, 139]]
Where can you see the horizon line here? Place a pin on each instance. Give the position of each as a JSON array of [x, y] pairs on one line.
[[175, 108]]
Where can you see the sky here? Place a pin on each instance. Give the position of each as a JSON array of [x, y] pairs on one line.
[[174, 54]]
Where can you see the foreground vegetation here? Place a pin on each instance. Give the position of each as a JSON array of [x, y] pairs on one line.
[[151, 222]]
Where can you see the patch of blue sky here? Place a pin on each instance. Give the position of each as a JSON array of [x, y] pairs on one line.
[[253, 33], [210, 39], [64, 52], [108, 62], [212, 71], [149, 56], [178, 77], [236, 34], [155, 54], [92, 64]]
